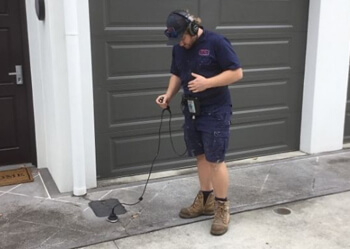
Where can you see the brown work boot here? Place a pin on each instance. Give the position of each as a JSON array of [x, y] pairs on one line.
[[198, 207], [221, 218]]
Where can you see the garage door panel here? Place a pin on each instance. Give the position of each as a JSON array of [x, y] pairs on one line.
[[255, 12], [125, 108], [277, 52], [139, 82], [263, 131], [142, 149], [134, 15], [136, 59], [158, 166], [267, 133], [132, 110], [255, 152], [263, 53], [267, 92], [134, 153], [259, 96], [261, 15], [138, 62]]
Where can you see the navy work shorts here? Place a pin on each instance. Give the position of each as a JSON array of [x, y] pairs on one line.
[[208, 134]]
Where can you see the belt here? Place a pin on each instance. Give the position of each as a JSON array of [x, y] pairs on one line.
[[202, 100]]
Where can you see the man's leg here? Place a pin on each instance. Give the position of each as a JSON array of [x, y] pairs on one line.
[[219, 179], [204, 202], [204, 173]]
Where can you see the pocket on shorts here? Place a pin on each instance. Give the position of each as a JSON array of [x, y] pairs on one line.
[[223, 119], [219, 145]]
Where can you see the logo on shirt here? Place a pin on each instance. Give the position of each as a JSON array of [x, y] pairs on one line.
[[204, 52]]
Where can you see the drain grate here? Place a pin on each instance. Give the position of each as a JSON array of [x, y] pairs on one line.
[[282, 211], [103, 208]]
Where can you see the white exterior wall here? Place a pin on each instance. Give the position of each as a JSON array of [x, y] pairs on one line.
[[52, 106], [326, 76]]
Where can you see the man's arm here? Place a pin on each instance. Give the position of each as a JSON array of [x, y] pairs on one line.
[[174, 86], [225, 78]]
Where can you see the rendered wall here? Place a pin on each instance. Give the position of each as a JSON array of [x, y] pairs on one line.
[[52, 106], [326, 76]]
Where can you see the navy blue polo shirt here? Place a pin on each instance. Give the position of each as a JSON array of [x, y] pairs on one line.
[[210, 55]]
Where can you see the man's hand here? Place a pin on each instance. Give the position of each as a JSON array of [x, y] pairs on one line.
[[199, 84], [162, 101]]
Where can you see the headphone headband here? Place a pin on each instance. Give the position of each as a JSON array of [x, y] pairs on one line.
[[184, 14], [192, 25]]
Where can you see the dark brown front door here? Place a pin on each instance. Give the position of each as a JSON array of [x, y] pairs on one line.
[[16, 124]]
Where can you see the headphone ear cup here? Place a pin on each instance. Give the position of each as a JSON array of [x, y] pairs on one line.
[[193, 29]]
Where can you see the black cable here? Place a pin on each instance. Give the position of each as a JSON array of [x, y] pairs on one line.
[[112, 217]]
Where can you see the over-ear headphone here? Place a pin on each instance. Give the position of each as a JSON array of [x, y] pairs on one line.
[[192, 26]]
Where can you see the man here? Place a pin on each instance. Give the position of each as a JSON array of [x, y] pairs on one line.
[[203, 64]]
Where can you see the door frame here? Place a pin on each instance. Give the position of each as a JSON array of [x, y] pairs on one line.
[[28, 82]]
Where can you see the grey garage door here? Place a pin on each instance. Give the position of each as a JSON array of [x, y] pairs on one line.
[[347, 116], [131, 67]]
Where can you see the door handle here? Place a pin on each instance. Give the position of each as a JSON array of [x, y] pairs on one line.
[[19, 74]]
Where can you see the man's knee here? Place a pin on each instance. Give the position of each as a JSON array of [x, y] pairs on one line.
[[215, 166], [200, 157]]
